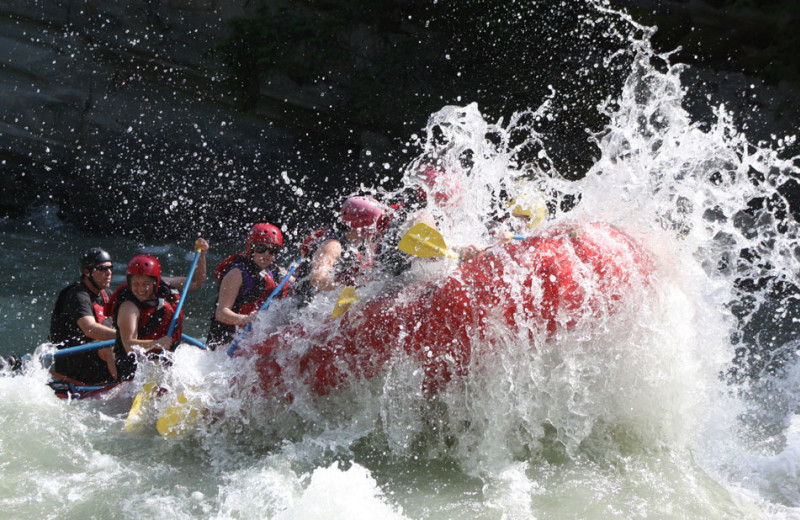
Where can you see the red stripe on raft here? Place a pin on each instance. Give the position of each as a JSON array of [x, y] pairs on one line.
[[565, 273]]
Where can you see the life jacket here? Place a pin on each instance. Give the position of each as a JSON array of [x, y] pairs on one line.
[[154, 316], [257, 284], [354, 263], [101, 310]]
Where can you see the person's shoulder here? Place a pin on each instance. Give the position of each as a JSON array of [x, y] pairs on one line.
[[69, 298], [226, 265], [127, 306], [76, 291], [234, 272], [74, 286]]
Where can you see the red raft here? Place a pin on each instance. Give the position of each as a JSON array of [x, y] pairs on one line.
[[546, 282]]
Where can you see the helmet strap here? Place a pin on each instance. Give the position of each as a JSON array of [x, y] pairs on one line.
[[89, 282]]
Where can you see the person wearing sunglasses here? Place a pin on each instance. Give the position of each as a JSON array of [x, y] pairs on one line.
[[245, 282], [81, 315]]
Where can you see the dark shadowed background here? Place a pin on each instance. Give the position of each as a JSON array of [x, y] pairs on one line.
[[155, 119]]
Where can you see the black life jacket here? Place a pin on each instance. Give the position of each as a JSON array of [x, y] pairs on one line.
[[257, 286]]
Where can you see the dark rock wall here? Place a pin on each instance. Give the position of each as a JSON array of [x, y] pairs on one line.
[[113, 110], [161, 118]]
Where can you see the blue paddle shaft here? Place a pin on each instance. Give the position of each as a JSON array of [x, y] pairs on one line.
[[97, 345], [89, 347], [186, 285], [191, 341], [277, 290]]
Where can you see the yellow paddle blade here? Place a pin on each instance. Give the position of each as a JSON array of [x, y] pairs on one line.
[[141, 403], [344, 302], [178, 418], [425, 242]]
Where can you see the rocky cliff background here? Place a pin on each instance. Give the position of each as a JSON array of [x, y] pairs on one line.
[[158, 118]]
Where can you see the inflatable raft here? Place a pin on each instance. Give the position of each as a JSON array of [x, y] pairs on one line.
[[538, 285]]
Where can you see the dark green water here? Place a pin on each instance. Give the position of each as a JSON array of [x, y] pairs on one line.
[[40, 258]]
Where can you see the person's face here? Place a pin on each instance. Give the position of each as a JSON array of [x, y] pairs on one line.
[[143, 287], [265, 254], [101, 275]]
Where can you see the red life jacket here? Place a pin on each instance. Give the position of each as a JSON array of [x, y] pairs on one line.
[[386, 218], [154, 316], [101, 312]]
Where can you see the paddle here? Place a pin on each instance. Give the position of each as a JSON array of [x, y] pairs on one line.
[[87, 347], [191, 341], [178, 417], [183, 293], [426, 242], [97, 345], [150, 389], [344, 302], [421, 240], [182, 415]]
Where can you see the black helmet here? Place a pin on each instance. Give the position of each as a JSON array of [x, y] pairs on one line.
[[91, 257]]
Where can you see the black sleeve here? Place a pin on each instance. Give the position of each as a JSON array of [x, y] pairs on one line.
[[78, 305], [390, 259]]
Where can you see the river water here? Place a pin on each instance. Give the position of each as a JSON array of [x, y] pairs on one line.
[[681, 405]]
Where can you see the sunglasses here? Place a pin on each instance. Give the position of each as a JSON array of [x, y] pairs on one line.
[[264, 248], [103, 268]]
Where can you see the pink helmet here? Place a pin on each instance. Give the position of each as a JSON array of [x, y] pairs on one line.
[[146, 265], [361, 212], [443, 186], [262, 233]]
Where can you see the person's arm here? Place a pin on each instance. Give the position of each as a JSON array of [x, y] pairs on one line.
[[501, 234], [127, 321], [322, 264], [94, 330], [107, 355], [228, 291], [281, 273], [199, 277]]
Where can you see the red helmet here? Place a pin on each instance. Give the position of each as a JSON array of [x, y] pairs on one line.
[[361, 212], [146, 265], [262, 233]]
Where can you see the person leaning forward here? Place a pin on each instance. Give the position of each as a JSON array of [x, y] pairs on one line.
[[81, 316]]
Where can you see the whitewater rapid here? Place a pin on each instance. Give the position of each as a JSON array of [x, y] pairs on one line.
[[667, 409]]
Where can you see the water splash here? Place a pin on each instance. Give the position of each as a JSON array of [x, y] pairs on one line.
[[707, 203], [681, 400]]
